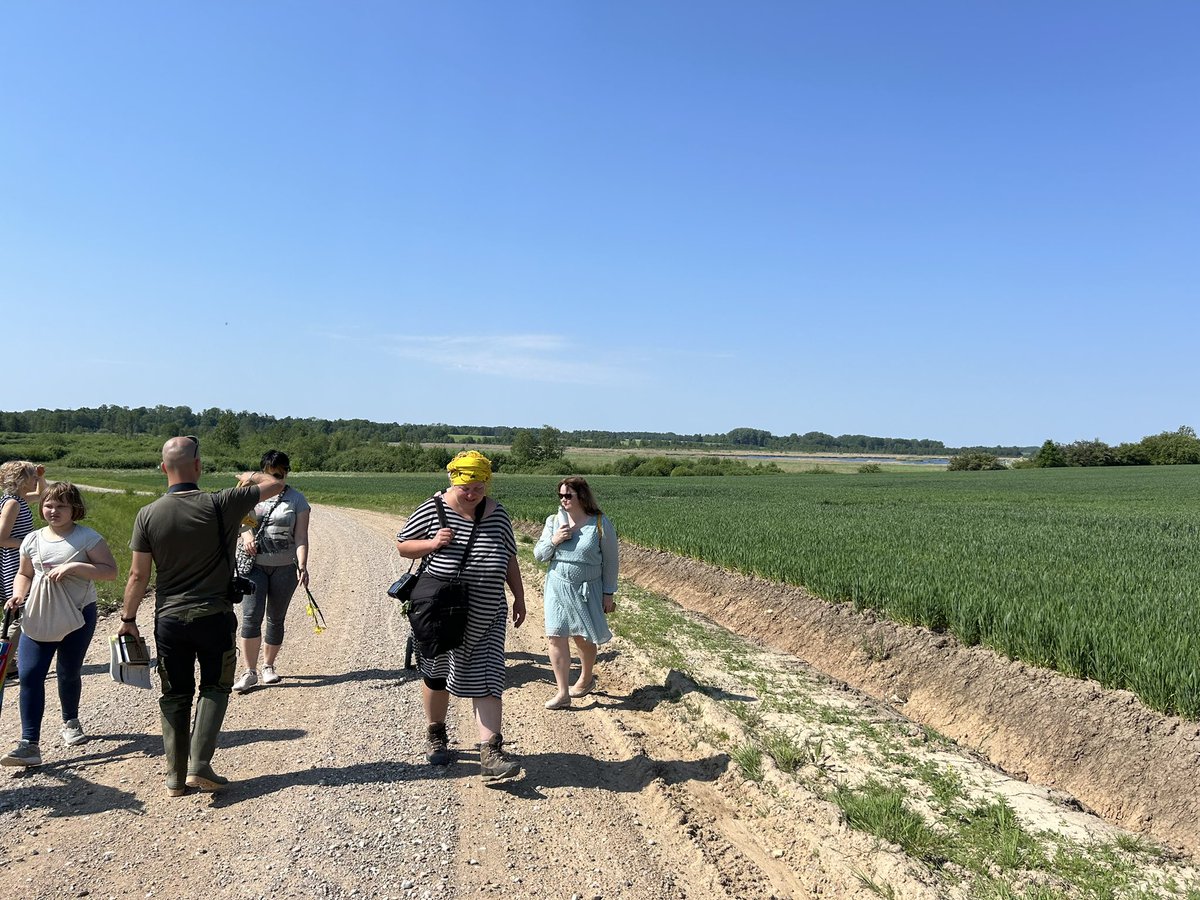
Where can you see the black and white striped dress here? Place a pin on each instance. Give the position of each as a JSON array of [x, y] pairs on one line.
[[476, 669], [10, 557]]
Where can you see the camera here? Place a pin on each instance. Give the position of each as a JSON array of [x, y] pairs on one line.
[[240, 587]]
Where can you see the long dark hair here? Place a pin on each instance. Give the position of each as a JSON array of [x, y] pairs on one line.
[[583, 492]]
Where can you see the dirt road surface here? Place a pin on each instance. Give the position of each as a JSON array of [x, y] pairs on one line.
[[624, 796]]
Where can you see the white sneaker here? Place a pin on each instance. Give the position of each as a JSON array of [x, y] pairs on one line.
[[247, 681], [72, 733], [270, 676]]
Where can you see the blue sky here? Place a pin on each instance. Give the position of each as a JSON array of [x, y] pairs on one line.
[[975, 222]]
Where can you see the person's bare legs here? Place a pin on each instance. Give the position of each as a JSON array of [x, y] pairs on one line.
[[488, 713], [435, 704], [560, 662], [270, 652], [587, 662]]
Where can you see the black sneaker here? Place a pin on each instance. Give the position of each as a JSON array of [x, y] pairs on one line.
[[494, 763], [437, 745]]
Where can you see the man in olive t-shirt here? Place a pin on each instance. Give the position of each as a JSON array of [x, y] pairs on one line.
[[190, 545]]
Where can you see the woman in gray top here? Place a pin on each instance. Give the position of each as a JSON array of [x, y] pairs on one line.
[[278, 541]]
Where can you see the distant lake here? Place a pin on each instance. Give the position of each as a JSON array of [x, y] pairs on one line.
[[930, 461]]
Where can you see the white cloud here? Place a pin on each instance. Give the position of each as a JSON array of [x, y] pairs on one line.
[[540, 358]]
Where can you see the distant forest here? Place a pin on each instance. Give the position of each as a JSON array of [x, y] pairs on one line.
[[121, 437], [164, 421]]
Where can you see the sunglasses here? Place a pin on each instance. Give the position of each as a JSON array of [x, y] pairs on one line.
[[566, 496]]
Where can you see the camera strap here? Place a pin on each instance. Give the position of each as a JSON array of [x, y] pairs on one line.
[[223, 548]]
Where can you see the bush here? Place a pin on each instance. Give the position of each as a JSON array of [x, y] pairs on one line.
[[975, 461]]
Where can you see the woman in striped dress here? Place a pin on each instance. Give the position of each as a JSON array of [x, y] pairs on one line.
[[476, 668], [21, 483]]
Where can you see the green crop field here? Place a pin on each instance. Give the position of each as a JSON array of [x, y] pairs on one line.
[[1093, 572]]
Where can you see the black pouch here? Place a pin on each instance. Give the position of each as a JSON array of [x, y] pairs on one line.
[[437, 614]]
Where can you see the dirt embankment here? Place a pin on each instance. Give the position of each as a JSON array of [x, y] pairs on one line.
[[1130, 765]]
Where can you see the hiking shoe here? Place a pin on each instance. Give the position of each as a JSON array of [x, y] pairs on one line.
[[247, 681], [437, 745], [269, 675], [494, 763], [72, 733], [25, 753]]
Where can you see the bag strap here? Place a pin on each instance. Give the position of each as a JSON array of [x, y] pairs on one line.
[[222, 548], [262, 523], [441, 513]]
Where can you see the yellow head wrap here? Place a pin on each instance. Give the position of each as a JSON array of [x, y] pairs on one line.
[[469, 467]]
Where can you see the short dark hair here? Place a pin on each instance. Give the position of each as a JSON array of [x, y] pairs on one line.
[[68, 493], [275, 459]]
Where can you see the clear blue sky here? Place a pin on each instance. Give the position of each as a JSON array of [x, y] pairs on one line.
[[976, 222]]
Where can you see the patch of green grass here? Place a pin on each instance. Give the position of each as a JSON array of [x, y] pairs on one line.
[[749, 760], [880, 810], [883, 890], [788, 755], [112, 516], [749, 713], [945, 784]]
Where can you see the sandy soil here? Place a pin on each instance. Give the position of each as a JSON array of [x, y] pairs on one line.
[[626, 795]]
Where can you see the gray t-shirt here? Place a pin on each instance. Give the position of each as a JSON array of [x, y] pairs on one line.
[[277, 543], [47, 550]]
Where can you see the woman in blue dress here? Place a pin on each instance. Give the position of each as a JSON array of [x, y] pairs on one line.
[[580, 544]]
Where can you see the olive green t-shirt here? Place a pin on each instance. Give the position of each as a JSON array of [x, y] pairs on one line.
[[180, 532]]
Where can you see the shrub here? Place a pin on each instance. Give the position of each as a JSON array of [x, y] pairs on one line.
[[975, 461]]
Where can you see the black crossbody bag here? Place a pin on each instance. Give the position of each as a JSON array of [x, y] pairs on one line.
[[239, 585], [438, 606]]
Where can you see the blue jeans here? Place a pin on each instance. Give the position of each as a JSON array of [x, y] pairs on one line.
[[273, 589], [34, 665]]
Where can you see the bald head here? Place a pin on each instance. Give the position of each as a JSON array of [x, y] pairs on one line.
[[181, 459]]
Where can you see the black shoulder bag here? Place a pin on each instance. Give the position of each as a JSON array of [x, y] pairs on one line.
[[438, 606], [239, 585]]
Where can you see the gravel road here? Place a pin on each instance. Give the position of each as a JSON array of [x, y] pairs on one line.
[[623, 797]]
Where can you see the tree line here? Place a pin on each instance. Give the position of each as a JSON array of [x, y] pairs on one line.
[[1167, 448], [164, 421]]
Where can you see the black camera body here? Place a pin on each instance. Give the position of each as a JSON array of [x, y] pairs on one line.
[[240, 587], [402, 587]]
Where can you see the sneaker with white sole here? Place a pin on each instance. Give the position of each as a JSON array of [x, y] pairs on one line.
[[269, 675], [25, 753], [247, 681], [72, 733]]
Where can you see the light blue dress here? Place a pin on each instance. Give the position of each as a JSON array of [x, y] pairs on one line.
[[582, 570]]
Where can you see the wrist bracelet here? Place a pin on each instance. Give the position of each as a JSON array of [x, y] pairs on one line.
[[128, 621]]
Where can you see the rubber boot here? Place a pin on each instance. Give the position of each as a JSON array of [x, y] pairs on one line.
[[210, 713], [176, 741]]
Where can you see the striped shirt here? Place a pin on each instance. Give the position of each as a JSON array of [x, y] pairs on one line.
[[476, 669], [10, 557]]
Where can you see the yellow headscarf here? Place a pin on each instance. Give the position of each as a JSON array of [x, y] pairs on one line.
[[469, 467]]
